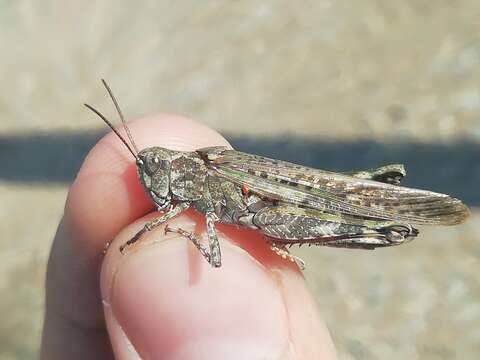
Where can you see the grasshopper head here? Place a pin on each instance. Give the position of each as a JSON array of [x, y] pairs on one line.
[[153, 166]]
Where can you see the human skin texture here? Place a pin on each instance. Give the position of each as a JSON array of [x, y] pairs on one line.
[[161, 299]]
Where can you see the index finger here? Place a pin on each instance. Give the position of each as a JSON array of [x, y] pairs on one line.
[[105, 197]]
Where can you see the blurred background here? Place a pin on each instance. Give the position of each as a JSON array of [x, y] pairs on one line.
[[338, 85]]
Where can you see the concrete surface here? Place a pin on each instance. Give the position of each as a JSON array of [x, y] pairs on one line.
[[404, 72]]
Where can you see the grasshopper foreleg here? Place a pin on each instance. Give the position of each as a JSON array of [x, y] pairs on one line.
[[152, 224]]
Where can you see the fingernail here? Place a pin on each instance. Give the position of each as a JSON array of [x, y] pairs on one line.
[[172, 305]]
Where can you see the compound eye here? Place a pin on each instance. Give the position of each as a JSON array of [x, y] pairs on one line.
[[154, 163], [164, 164]]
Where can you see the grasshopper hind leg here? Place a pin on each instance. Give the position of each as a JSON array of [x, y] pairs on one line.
[[281, 250], [389, 174], [291, 225], [371, 239]]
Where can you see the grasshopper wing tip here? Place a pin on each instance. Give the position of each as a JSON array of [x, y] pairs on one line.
[[464, 212], [443, 210], [458, 213]]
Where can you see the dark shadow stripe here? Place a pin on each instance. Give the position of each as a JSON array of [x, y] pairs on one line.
[[452, 168], [54, 157]]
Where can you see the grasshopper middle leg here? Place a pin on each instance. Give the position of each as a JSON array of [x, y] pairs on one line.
[[190, 236], [152, 224], [213, 254]]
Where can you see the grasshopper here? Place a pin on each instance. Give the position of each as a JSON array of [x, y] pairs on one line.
[[288, 203]]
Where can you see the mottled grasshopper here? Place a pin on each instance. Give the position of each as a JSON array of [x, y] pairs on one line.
[[288, 203]]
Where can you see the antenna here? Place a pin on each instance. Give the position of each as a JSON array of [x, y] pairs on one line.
[[101, 116], [127, 130]]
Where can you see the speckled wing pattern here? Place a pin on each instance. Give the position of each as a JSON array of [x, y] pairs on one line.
[[333, 192]]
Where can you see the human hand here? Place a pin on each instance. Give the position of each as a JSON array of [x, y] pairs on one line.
[[162, 300]]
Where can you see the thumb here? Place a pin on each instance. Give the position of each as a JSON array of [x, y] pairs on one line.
[[162, 300]]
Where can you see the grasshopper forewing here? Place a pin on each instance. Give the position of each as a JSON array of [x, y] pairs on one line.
[[288, 203]]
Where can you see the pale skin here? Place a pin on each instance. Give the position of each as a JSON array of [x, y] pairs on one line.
[[161, 295]]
